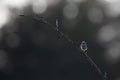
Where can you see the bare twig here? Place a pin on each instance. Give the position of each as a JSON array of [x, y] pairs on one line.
[[83, 45]]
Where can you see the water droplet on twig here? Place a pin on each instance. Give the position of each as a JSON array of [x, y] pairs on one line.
[[83, 46]]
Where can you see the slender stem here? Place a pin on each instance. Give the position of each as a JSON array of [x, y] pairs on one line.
[[92, 62], [69, 40], [95, 66]]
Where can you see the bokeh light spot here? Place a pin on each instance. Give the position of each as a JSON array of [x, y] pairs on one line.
[[107, 33], [39, 6], [16, 3], [4, 16], [95, 15], [111, 7], [70, 11]]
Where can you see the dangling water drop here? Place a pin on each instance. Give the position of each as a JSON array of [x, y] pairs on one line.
[[83, 46], [57, 24]]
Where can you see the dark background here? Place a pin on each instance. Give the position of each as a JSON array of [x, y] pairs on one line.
[[33, 50]]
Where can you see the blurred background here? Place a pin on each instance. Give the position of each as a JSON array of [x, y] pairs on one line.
[[33, 50]]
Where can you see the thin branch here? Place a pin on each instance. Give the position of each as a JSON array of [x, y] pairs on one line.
[[83, 45]]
